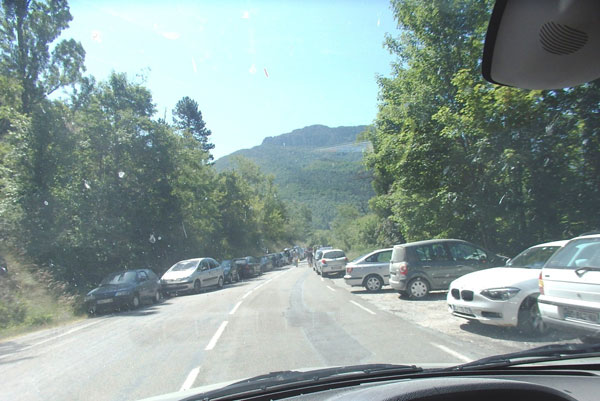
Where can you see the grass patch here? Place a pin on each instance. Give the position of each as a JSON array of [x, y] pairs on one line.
[[30, 298]]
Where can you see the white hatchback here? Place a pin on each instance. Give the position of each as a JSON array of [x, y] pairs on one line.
[[570, 288], [504, 296]]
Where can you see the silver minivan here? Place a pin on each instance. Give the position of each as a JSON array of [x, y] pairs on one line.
[[570, 287], [332, 261], [371, 271], [192, 275]]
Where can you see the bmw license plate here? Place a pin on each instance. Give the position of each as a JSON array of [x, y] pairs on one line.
[[462, 309], [577, 314], [105, 301]]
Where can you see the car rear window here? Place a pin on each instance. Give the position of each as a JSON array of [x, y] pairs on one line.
[[584, 252], [334, 255]]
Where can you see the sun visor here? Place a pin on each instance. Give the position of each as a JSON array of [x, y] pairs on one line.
[[543, 44]]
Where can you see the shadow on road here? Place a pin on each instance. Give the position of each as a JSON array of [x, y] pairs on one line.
[[432, 296], [382, 291], [513, 334], [6, 361]]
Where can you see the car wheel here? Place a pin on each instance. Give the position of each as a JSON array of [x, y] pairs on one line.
[[529, 319], [92, 310], [197, 286], [157, 297], [135, 302], [373, 283], [236, 277], [220, 283], [418, 288]]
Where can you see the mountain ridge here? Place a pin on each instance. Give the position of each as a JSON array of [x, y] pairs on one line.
[[317, 166]]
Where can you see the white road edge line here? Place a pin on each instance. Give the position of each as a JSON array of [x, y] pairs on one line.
[[215, 338], [189, 381], [452, 352], [246, 294], [363, 308], [66, 333], [235, 308], [331, 288]]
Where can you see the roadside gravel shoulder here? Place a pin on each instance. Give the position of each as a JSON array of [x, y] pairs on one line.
[[432, 313]]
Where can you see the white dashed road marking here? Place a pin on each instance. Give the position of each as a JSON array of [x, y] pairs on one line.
[[189, 381], [215, 338], [235, 308], [452, 352], [331, 288], [363, 308]]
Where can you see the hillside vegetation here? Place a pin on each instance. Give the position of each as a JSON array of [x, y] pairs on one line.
[[317, 167]]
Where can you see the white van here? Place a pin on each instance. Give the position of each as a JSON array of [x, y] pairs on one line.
[[570, 287]]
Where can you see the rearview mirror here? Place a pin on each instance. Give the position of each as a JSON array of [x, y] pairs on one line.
[[542, 44]]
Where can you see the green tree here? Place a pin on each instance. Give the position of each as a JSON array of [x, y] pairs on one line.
[[28, 28], [456, 156], [187, 117]]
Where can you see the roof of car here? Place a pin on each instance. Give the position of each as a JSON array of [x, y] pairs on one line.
[[332, 249], [429, 241], [552, 243], [588, 236]]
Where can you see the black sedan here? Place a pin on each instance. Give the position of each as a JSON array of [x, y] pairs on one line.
[[124, 289]]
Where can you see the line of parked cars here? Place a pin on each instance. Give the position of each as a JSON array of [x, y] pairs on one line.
[[128, 289], [554, 284]]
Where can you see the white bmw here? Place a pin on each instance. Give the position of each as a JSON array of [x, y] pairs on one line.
[[504, 296]]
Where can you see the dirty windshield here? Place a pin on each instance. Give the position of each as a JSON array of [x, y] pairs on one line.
[[276, 141]]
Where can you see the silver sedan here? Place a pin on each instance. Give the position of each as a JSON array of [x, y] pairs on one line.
[[371, 271]]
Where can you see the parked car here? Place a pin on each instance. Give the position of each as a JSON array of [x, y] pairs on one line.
[[285, 258], [504, 296], [274, 260], [332, 261], [124, 289], [371, 271], [192, 275], [230, 272], [319, 255], [419, 267], [570, 288], [248, 266], [265, 264]]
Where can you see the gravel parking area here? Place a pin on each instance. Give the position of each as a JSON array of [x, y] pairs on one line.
[[433, 314]]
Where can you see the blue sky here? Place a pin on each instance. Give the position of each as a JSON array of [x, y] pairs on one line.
[[256, 68]]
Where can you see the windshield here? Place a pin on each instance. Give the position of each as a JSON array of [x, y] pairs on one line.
[[533, 257], [185, 265], [120, 278], [170, 135]]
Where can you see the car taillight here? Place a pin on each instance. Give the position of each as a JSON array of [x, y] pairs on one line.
[[324, 261], [403, 268], [348, 270], [541, 284]]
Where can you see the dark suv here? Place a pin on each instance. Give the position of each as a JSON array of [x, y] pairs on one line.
[[419, 267]]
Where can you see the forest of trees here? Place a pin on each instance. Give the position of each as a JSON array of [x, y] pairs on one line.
[[455, 156], [94, 182]]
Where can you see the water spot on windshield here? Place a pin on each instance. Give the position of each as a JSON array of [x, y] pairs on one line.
[[121, 174], [46, 203], [86, 184], [152, 239]]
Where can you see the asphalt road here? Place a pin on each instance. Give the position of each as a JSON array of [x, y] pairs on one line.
[[285, 319]]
